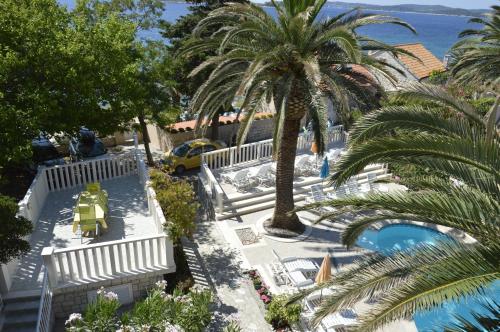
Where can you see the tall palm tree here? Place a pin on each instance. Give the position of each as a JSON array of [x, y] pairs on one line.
[[461, 192], [477, 56], [293, 61]]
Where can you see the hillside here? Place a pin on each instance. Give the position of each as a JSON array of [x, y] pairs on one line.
[[428, 9]]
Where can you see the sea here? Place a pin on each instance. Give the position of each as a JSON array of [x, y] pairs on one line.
[[438, 33]]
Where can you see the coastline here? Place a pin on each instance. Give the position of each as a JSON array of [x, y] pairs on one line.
[[385, 10]]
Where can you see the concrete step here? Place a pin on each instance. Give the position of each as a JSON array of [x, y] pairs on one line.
[[20, 312], [264, 202]]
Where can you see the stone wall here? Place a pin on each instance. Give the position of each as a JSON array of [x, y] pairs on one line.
[[72, 299], [261, 129]]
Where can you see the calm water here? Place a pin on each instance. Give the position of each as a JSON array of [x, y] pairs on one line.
[[437, 32], [402, 237]]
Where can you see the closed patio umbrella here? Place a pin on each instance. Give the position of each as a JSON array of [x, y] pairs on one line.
[[325, 169], [324, 273]]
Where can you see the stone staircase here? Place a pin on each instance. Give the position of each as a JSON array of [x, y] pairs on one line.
[[20, 312], [253, 202]]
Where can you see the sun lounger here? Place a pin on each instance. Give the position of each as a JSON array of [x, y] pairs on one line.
[[318, 196], [291, 264], [343, 318], [299, 280]]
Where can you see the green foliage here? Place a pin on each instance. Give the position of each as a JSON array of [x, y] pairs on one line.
[[476, 57], [159, 312], [439, 77], [56, 67], [12, 230], [232, 326], [178, 202], [280, 315], [483, 105], [451, 166]]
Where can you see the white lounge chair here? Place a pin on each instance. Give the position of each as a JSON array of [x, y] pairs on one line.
[[299, 280], [343, 318], [297, 264], [318, 196]]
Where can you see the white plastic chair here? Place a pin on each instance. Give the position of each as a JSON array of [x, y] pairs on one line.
[[241, 181], [303, 166], [264, 175]]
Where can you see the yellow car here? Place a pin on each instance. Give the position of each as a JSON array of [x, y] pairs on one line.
[[188, 154]]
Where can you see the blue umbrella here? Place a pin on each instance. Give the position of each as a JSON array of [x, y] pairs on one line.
[[325, 169]]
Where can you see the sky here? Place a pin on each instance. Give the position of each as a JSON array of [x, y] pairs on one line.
[[470, 4]]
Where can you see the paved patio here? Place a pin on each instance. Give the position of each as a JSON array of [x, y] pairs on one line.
[[231, 192], [128, 217], [324, 238]]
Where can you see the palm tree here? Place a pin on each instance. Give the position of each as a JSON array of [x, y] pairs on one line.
[[293, 61], [477, 56], [462, 192]]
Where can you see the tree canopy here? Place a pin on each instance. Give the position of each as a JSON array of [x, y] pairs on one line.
[[57, 68]]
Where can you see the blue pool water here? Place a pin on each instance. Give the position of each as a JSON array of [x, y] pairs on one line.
[[402, 237]]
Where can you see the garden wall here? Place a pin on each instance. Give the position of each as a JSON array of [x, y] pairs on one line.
[[68, 300], [165, 139]]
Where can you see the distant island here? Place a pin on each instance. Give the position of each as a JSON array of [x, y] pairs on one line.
[[427, 9]]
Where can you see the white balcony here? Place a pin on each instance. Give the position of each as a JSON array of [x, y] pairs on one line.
[[133, 243]]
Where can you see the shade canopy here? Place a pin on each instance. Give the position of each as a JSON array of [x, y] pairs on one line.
[[325, 271]]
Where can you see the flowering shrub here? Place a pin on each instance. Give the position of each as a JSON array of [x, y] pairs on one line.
[[160, 311], [100, 315]]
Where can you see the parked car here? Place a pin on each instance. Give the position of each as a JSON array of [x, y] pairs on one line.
[[86, 145], [45, 153], [188, 154]]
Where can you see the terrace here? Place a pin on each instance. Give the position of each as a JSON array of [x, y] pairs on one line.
[[240, 212], [61, 260], [231, 197]]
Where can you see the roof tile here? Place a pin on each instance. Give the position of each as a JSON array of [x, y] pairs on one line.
[[428, 64]]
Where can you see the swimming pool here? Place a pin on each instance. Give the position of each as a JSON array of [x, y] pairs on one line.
[[404, 236]]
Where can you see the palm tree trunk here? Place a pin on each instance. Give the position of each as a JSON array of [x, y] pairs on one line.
[[214, 134], [285, 166], [145, 138]]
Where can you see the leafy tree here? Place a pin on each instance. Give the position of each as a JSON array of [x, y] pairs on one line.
[[294, 61], [460, 146], [180, 33], [477, 55], [148, 86], [56, 68], [151, 91], [13, 229]]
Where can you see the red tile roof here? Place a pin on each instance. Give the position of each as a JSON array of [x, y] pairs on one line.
[[190, 125], [421, 69]]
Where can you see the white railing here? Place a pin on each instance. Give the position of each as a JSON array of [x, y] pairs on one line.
[[108, 260], [216, 193], [44, 321], [67, 176], [155, 210], [263, 149], [31, 205]]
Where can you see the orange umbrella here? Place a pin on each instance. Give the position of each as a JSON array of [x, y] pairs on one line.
[[325, 271], [314, 148]]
